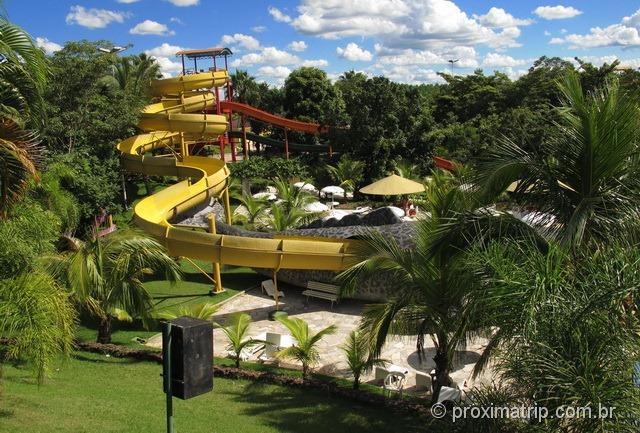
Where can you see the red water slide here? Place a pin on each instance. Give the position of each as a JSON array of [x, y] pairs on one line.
[[296, 125]]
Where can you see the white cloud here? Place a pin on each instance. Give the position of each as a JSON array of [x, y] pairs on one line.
[[48, 46], [163, 55], [176, 20], [496, 60], [498, 17], [94, 18], [558, 12], [127, 1], [354, 53], [275, 57], [164, 50], [547, 33], [297, 46], [466, 56], [320, 63], [278, 15], [415, 75], [623, 34], [148, 27], [258, 29], [245, 41], [424, 24], [556, 41], [184, 3], [273, 74]]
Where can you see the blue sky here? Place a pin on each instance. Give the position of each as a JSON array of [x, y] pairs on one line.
[[406, 40]]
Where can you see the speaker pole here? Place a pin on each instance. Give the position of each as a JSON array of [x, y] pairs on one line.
[[166, 366]]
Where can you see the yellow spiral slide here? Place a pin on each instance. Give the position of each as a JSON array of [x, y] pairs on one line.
[[174, 121]]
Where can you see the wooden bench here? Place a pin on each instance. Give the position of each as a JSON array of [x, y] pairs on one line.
[[320, 290]]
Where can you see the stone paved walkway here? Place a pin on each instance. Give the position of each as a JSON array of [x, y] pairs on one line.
[[346, 316]]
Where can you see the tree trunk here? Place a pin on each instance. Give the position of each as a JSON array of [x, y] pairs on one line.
[[238, 360], [104, 330], [356, 382], [442, 366], [305, 369]]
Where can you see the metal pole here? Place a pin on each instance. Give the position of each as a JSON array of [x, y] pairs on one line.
[[286, 144], [216, 266], [166, 364], [245, 149], [124, 192], [184, 70]]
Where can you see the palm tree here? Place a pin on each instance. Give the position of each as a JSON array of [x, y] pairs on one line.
[[23, 75], [356, 350], [290, 196], [37, 320], [305, 348], [202, 311], [236, 333], [586, 177], [253, 209], [281, 219], [347, 173], [245, 88], [566, 329], [430, 282], [106, 274]]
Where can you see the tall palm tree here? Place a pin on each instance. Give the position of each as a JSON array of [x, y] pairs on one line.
[[245, 88], [347, 173], [106, 274], [430, 286], [586, 177], [566, 330], [23, 75], [305, 349], [37, 319]]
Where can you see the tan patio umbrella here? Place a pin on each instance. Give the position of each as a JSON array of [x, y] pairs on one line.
[[393, 185]]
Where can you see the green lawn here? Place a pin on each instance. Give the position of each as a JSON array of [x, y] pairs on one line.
[[93, 393], [193, 289]]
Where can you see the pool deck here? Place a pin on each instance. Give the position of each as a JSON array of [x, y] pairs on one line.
[[400, 351]]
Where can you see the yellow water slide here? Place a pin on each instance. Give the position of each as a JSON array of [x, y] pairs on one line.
[[171, 123]]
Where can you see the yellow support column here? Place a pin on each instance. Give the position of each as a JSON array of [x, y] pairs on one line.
[[227, 205], [216, 266]]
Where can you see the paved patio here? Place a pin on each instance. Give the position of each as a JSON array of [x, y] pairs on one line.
[[346, 316]]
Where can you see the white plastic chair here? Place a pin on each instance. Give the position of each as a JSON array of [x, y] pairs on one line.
[[449, 394], [271, 347], [270, 288], [394, 382]]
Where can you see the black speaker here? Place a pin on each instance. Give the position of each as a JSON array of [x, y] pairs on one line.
[[191, 357]]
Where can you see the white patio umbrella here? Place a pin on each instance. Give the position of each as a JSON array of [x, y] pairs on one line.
[[305, 186], [316, 206], [333, 190]]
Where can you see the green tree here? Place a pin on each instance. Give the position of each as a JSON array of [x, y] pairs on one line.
[[106, 275], [304, 349], [431, 284], [245, 88], [565, 330], [236, 333], [585, 177], [347, 173], [203, 310], [310, 96], [254, 208], [356, 351], [23, 75], [37, 319], [282, 218]]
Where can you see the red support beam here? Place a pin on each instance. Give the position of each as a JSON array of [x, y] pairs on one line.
[[286, 144], [245, 147]]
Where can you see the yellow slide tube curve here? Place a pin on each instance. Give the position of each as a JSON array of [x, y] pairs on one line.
[[166, 123]]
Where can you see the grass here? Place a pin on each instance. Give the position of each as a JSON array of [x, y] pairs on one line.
[[192, 290], [92, 393]]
